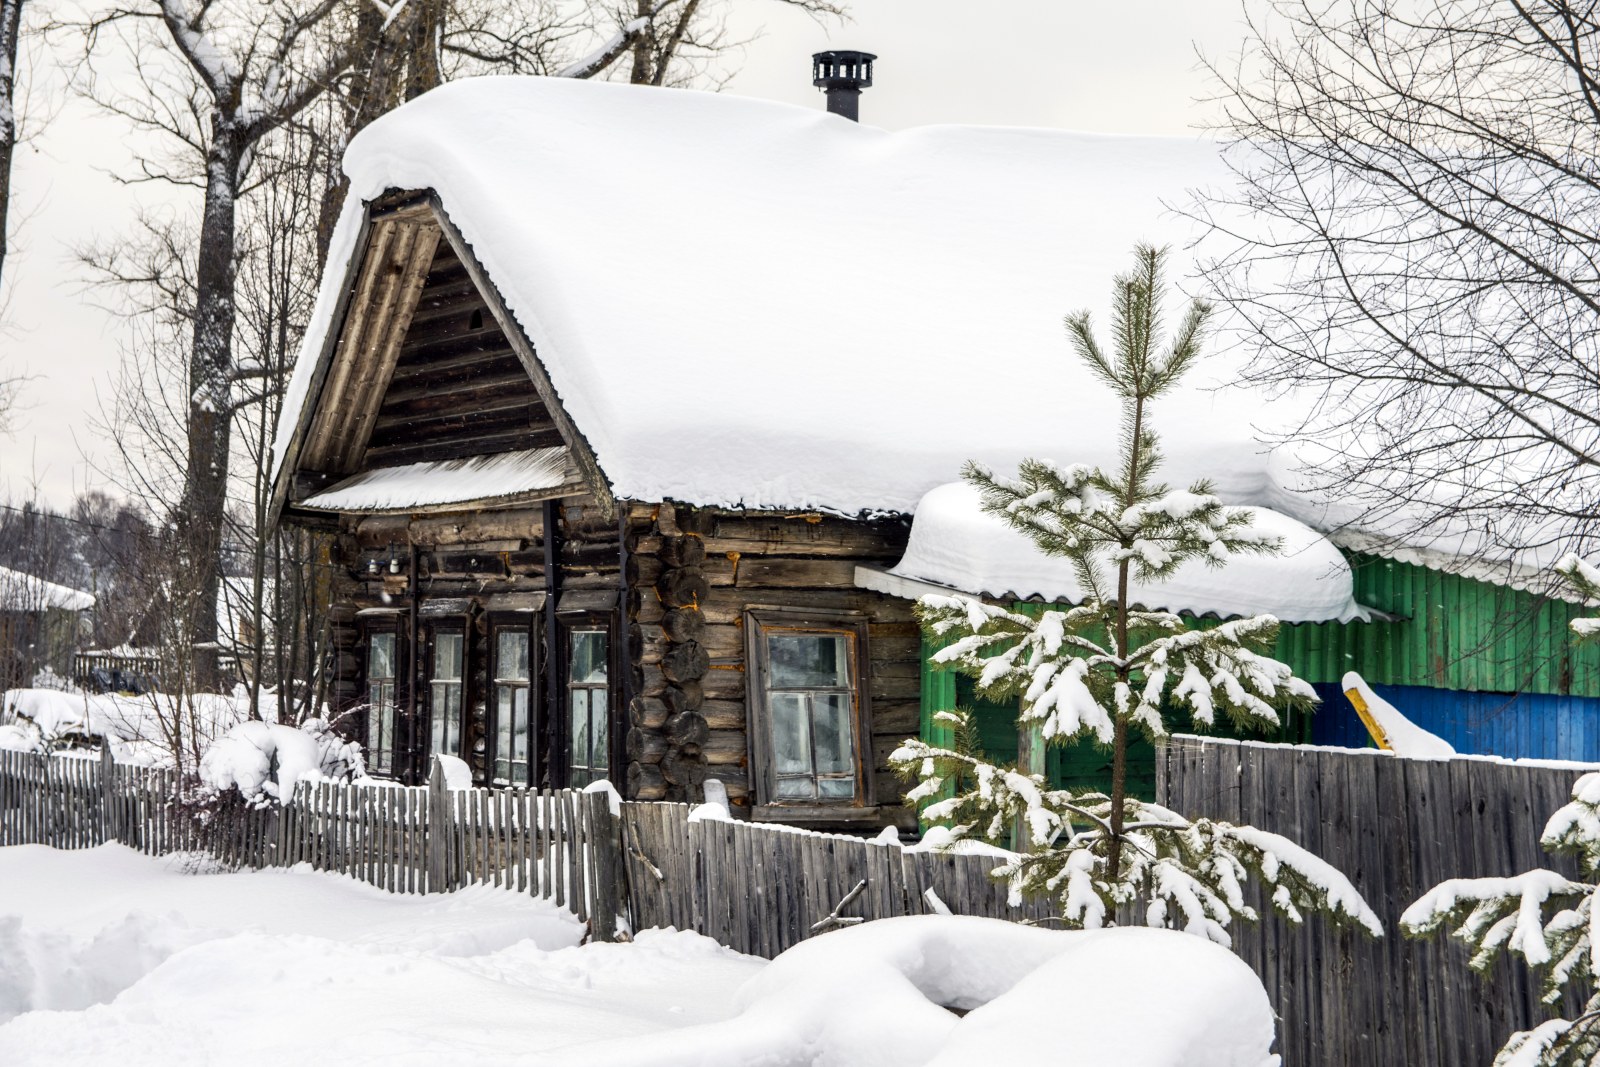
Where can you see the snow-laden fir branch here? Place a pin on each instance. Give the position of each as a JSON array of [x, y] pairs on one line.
[[1542, 916], [1102, 669], [1174, 872]]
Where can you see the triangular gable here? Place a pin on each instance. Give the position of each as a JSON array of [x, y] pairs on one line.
[[427, 367]]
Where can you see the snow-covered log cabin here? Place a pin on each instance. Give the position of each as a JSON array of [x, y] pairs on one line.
[[620, 402]]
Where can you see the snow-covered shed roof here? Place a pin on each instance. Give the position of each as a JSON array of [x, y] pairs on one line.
[[747, 303], [21, 592], [955, 544]]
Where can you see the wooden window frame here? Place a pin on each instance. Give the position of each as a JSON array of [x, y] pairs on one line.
[[529, 623], [432, 628], [386, 626], [759, 621], [568, 623]]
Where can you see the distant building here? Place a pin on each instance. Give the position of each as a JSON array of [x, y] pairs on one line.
[[40, 626]]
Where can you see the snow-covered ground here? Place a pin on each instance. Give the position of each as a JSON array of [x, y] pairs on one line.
[[110, 957]]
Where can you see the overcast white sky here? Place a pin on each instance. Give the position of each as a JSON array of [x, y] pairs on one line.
[[1127, 67]]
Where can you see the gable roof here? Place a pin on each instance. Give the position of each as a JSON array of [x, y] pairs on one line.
[[747, 303], [22, 592], [742, 303]]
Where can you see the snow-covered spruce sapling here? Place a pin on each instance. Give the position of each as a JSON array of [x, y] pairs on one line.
[[1103, 669], [1509, 915]]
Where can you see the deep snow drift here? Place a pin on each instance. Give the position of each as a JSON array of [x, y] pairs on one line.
[[109, 957]]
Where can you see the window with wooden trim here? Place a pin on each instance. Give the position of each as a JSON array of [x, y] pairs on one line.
[[383, 661], [446, 675], [589, 698], [810, 746], [515, 753]]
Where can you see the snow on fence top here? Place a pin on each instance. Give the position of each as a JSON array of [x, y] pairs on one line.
[[955, 543], [29, 593], [823, 314]]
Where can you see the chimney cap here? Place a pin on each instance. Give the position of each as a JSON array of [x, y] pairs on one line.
[[842, 69]]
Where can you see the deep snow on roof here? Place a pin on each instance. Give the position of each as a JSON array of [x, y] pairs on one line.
[[749, 303], [955, 543], [30, 593]]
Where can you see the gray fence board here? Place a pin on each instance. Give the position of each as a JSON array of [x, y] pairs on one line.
[[1397, 828]]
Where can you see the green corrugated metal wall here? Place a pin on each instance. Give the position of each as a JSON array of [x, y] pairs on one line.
[[1451, 633], [1454, 633]]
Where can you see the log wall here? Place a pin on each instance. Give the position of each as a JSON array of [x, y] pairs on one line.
[[684, 579]]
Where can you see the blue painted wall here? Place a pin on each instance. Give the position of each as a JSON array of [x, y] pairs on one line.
[[1521, 725]]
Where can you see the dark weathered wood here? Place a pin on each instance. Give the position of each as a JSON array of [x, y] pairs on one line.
[[1397, 828]]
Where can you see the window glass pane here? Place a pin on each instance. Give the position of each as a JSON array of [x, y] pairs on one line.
[[519, 733], [447, 656], [511, 659], [808, 660], [599, 757], [830, 730], [380, 663], [588, 657], [504, 730], [836, 787], [580, 730], [795, 788], [791, 737]]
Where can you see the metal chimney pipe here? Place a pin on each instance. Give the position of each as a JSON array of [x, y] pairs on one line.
[[842, 75]]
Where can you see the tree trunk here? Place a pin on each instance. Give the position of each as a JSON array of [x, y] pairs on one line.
[[205, 489], [10, 31]]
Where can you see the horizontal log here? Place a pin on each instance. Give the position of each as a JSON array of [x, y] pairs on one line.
[[796, 537], [649, 713], [723, 714], [723, 684], [770, 573], [645, 746], [524, 525], [724, 746], [494, 387], [885, 650], [511, 440], [883, 688], [727, 605], [643, 570], [645, 782], [896, 718]]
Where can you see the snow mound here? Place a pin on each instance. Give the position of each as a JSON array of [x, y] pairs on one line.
[[1402, 736], [262, 758], [879, 994], [956, 544]]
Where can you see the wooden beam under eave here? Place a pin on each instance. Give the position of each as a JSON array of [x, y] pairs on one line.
[[593, 479], [389, 323], [321, 438]]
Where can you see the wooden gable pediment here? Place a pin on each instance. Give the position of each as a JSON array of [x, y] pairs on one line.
[[427, 365]]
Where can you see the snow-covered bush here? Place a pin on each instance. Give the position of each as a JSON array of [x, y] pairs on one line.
[[265, 760], [1540, 915], [1104, 670]]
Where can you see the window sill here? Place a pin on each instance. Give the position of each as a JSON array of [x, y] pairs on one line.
[[814, 813]]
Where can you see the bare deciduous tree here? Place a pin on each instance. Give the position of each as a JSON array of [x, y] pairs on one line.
[[1418, 225], [10, 37]]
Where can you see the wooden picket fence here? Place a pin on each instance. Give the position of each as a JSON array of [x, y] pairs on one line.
[[1396, 828], [755, 888], [562, 844], [762, 889]]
